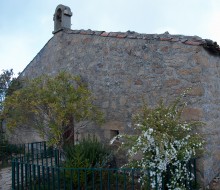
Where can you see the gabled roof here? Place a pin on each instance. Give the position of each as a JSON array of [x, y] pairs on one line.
[[209, 45]]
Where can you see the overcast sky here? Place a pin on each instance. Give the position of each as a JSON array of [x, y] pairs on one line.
[[27, 25]]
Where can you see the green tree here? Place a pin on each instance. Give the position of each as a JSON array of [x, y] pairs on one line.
[[7, 85], [53, 106], [6, 78]]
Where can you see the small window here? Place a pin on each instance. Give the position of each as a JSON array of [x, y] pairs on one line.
[[114, 133]]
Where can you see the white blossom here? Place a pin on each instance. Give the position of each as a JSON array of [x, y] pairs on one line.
[[161, 150]]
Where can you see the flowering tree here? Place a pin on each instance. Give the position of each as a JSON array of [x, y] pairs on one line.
[[164, 140]]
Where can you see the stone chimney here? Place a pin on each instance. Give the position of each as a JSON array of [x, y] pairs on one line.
[[62, 18]]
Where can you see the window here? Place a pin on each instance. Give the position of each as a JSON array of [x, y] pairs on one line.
[[113, 133]]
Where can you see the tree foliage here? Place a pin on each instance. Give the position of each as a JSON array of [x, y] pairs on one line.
[[6, 78], [53, 106], [8, 84]]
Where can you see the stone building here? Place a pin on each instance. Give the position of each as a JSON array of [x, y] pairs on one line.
[[123, 68]]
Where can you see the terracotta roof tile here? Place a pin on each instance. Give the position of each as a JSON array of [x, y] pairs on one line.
[[131, 36], [148, 36], [194, 43], [105, 34], [98, 33], [165, 38], [121, 35], [113, 34], [175, 40], [86, 32]]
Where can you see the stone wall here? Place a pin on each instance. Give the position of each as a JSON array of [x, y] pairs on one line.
[[121, 72], [210, 80], [23, 135]]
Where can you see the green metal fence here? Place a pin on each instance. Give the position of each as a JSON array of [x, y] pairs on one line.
[[9, 151], [40, 168], [45, 177]]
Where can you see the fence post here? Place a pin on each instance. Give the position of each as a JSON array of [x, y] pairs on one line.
[[22, 174], [17, 174], [132, 173], [55, 156], [194, 170], [45, 148], [13, 174], [26, 173], [58, 177], [32, 151]]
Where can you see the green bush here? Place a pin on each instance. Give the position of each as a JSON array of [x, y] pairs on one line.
[[89, 153], [7, 151]]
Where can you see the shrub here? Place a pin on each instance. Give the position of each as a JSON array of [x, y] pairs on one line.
[[7, 151], [88, 150], [164, 141], [89, 153]]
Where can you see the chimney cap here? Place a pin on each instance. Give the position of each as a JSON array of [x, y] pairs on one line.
[[62, 18]]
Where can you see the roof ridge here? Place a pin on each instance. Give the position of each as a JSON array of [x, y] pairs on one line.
[[209, 45]]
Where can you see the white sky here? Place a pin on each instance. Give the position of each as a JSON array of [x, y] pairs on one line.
[[26, 25]]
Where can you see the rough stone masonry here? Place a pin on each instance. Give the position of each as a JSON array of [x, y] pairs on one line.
[[122, 69]]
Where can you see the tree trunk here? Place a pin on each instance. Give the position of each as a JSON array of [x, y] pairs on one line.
[[69, 133]]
